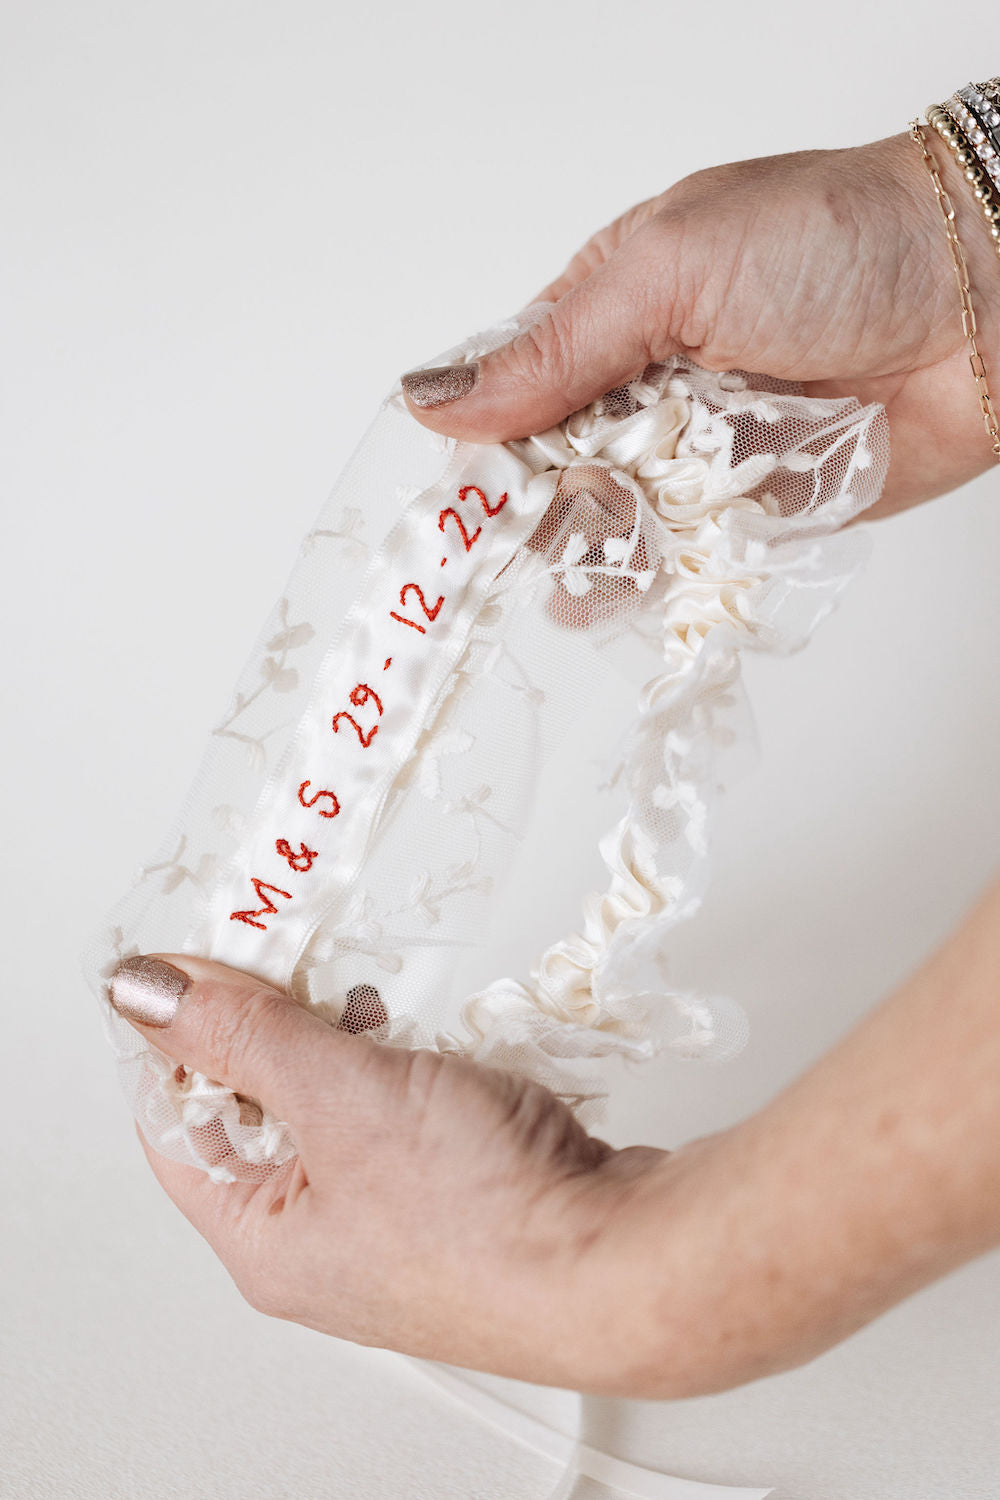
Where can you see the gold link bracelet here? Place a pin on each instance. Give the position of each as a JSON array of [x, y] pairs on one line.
[[969, 325]]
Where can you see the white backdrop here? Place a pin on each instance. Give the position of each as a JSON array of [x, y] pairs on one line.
[[226, 227]]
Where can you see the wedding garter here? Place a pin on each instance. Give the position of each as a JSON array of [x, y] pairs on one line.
[[449, 626]]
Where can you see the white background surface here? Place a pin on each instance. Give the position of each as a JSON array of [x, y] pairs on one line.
[[225, 228]]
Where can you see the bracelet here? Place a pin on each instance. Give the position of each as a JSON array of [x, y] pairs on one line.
[[965, 156], [952, 132], [976, 111]]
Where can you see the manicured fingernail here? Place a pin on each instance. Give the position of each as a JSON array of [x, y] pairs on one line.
[[147, 990], [437, 387]]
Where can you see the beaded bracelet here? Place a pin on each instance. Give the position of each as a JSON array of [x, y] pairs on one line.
[[953, 133], [981, 183], [978, 99], [976, 111]]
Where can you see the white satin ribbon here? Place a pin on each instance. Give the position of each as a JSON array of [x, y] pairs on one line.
[[577, 1458], [371, 700]]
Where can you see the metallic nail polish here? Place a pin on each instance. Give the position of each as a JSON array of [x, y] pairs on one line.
[[427, 388], [147, 990]]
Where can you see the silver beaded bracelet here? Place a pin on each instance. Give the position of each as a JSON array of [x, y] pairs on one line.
[[974, 109]]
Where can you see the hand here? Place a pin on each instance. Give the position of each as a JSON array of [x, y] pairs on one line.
[[456, 1212], [436, 1206], [826, 267]]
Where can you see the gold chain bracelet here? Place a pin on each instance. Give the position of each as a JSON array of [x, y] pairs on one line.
[[969, 325]]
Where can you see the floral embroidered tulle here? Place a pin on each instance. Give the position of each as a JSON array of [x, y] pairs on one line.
[[459, 614]]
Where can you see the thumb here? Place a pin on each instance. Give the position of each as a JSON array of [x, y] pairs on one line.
[[239, 1032], [601, 333]]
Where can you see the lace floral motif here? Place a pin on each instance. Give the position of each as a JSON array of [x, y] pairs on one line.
[[276, 676], [691, 514], [738, 488]]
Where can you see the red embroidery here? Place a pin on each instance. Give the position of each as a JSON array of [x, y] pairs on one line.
[[361, 694], [365, 739], [467, 540], [359, 697], [403, 621], [315, 798], [302, 859], [491, 510], [286, 851], [431, 614], [268, 909]]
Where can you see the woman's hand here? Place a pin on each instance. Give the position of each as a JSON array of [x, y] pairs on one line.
[[456, 1212], [436, 1206], [827, 267]]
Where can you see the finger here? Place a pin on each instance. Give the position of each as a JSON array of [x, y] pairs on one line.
[[200, 1199], [240, 1032], [603, 332], [597, 251], [239, 1220]]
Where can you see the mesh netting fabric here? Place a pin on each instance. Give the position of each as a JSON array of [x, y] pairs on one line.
[[646, 541]]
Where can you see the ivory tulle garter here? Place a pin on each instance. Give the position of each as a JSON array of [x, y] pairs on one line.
[[447, 628]]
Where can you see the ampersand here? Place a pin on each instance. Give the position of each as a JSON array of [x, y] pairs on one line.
[[298, 861]]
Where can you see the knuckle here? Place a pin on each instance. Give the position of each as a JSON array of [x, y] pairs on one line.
[[543, 354], [237, 1027], [653, 250], [423, 1074], [651, 238], [436, 1089], [673, 264], [541, 1124], [594, 253], [704, 187]]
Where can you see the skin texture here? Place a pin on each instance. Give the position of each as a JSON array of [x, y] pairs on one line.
[[828, 267], [458, 1213]]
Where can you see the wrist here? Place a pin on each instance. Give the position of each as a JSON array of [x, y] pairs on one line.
[[939, 439], [666, 1295], [972, 239]]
